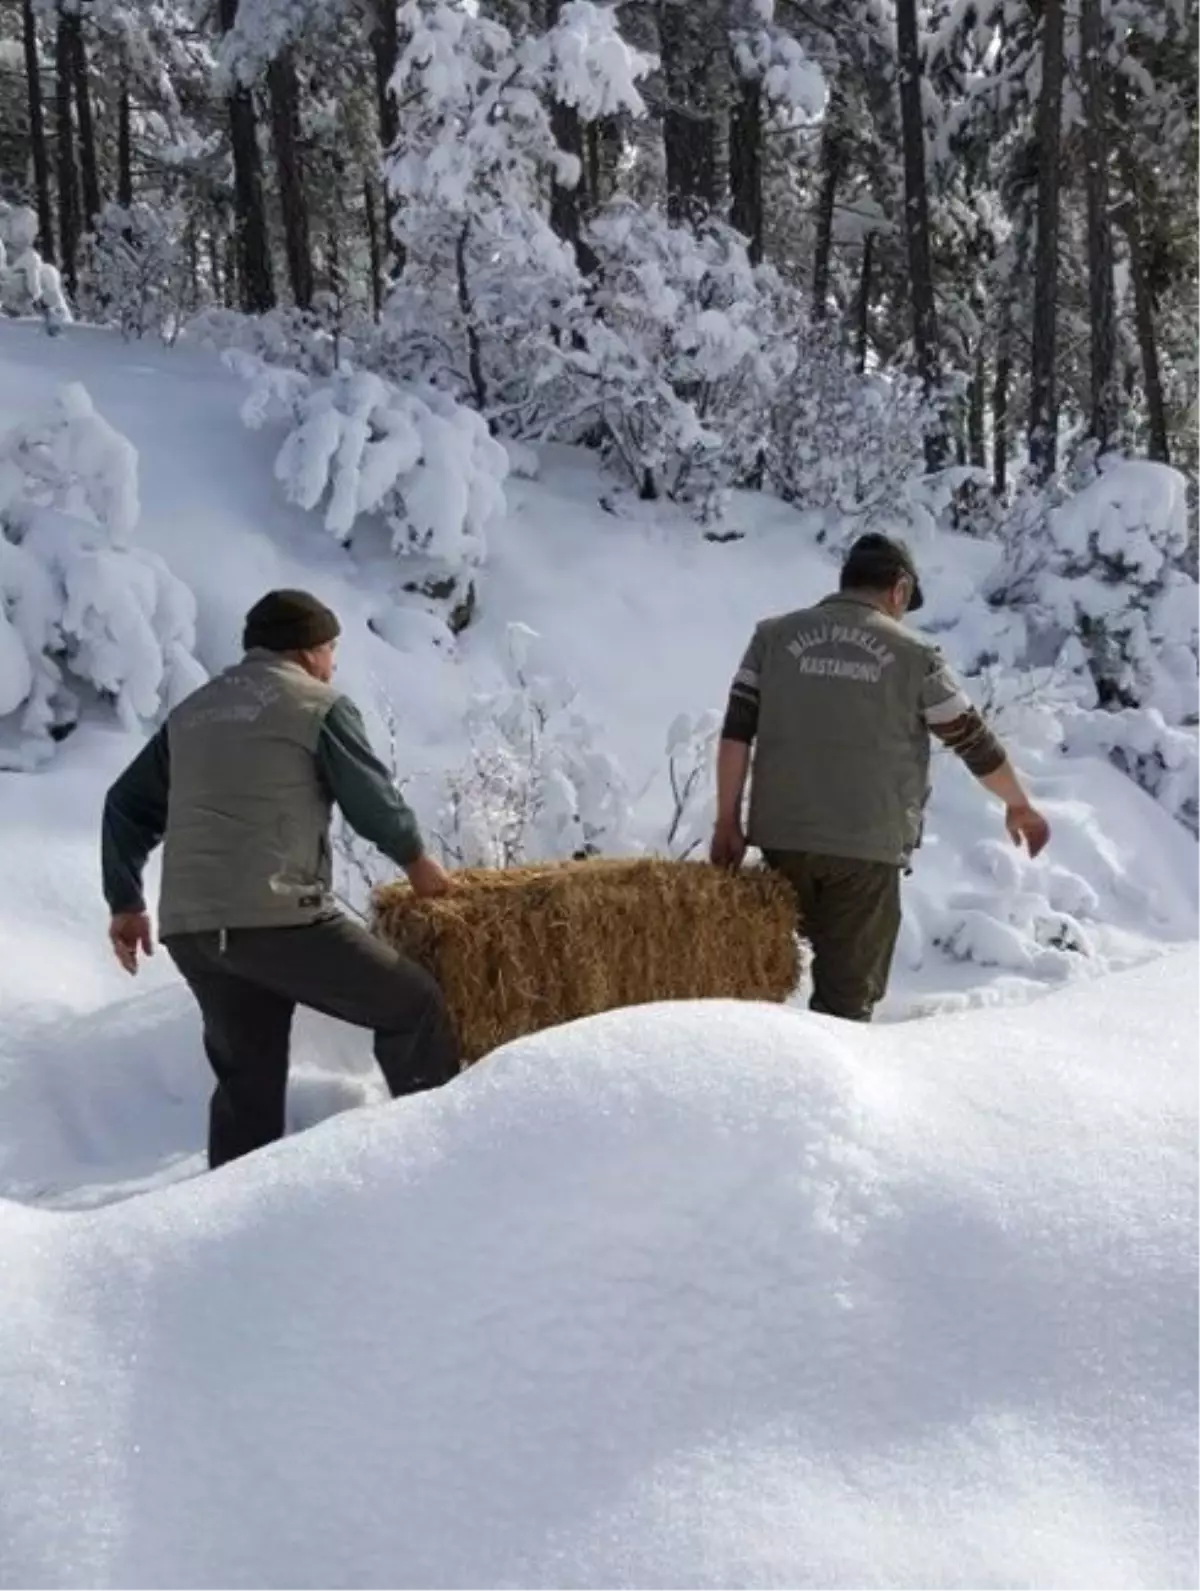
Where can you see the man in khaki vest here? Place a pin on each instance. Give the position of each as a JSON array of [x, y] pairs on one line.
[[240, 783], [839, 702]]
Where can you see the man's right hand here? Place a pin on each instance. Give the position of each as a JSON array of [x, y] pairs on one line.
[[129, 933], [728, 845], [1027, 826], [428, 878]]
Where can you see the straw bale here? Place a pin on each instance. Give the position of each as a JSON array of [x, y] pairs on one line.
[[519, 949]]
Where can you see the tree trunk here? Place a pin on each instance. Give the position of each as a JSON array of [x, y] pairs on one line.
[[233, 287], [1101, 291], [1000, 408], [68, 187], [374, 246], [832, 162], [568, 204], [37, 133], [976, 402], [250, 224], [192, 237], [474, 352], [602, 154], [745, 166], [88, 164], [284, 90], [124, 148], [1143, 310], [689, 121], [916, 217], [385, 52], [214, 264], [864, 304], [1043, 400]]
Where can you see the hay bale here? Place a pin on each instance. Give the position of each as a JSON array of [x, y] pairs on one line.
[[519, 949]]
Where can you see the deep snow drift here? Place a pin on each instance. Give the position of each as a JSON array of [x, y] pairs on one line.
[[698, 1295]]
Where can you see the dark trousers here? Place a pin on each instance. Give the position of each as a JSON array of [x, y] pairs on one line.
[[248, 983], [849, 911]]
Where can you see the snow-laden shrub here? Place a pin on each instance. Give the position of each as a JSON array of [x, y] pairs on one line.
[[293, 339], [691, 770], [133, 272], [79, 607], [846, 445], [1162, 759], [680, 352], [427, 466], [535, 786], [28, 285], [1107, 565]]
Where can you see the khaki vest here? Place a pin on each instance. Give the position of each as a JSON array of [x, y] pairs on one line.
[[841, 762], [247, 841]]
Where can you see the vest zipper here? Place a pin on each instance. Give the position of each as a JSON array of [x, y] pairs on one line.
[[223, 941]]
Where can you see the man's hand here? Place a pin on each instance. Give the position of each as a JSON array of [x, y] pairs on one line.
[[129, 933], [728, 845], [428, 878], [1027, 826]]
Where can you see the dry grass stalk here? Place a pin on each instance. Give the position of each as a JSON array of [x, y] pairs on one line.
[[519, 949]]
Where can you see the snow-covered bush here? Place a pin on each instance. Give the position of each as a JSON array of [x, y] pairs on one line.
[[427, 466], [293, 339], [535, 786], [846, 445], [680, 353], [691, 766], [1163, 759], [133, 272], [79, 607], [1108, 566], [28, 285]]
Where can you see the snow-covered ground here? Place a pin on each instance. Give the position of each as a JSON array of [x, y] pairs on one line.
[[698, 1295], [631, 606], [702, 1295]]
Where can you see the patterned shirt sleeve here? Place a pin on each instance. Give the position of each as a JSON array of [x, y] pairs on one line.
[[960, 727], [741, 715]]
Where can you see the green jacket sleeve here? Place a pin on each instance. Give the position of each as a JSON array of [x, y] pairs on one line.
[[135, 820], [363, 788]]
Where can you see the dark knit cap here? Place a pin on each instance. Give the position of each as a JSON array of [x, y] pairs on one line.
[[289, 621], [875, 563]]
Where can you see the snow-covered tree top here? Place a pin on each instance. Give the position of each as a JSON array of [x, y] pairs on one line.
[[81, 461]]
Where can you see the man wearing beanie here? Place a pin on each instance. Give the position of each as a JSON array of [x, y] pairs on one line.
[[839, 702], [239, 784]]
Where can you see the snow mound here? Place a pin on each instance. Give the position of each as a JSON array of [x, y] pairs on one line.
[[701, 1295]]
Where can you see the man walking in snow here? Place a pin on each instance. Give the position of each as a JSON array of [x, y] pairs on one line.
[[240, 783], [839, 702]]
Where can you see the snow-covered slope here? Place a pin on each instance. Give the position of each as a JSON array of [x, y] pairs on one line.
[[697, 1295], [701, 1295], [631, 605]]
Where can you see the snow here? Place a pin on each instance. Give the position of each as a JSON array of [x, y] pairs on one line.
[[638, 620], [79, 601], [696, 1295], [1128, 492], [591, 65], [699, 1294]]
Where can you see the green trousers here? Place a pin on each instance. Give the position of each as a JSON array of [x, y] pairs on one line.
[[849, 911]]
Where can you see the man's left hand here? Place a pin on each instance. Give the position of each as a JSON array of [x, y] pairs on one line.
[[1026, 826], [130, 933]]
